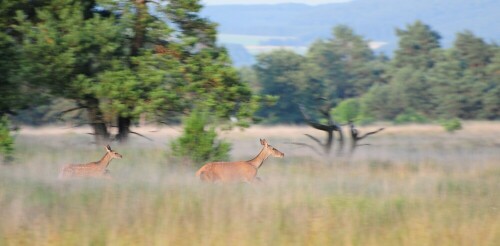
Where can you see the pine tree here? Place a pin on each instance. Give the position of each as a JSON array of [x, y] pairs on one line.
[[416, 45], [174, 66], [279, 74], [119, 60], [416, 54], [346, 64], [447, 79], [64, 48], [491, 98]]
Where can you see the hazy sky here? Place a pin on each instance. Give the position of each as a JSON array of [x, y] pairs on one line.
[[311, 2]]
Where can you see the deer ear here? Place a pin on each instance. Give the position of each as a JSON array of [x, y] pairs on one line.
[[263, 142], [108, 148]]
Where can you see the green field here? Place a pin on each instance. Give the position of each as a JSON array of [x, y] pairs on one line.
[[414, 185]]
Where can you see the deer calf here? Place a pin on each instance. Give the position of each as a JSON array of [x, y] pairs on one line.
[[95, 169]]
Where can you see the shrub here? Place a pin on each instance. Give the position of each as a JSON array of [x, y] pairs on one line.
[[410, 117], [347, 110], [351, 110], [451, 125], [198, 143], [6, 141]]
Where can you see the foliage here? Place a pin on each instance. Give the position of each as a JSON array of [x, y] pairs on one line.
[[198, 143], [410, 117], [119, 60], [6, 141], [416, 45], [332, 70], [129, 59], [279, 74], [346, 64], [347, 110], [383, 102], [451, 125]]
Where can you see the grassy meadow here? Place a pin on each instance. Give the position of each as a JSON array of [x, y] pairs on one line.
[[414, 185]]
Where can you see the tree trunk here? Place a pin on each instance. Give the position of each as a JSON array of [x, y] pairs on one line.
[[123, 129], [137, 44], [97, 123], [140, 27], [329, 142]]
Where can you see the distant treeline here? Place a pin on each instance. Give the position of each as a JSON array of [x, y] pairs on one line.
[[111, 64], [422, 81]]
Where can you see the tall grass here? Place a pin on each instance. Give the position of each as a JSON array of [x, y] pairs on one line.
[[414, 185]]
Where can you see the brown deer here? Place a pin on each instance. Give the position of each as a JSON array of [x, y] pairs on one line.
[[95, 169], [245, 171]]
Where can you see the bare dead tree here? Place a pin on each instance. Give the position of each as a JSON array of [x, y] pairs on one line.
[[330, 128]]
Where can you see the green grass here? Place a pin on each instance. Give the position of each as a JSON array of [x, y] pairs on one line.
[[402, 190]]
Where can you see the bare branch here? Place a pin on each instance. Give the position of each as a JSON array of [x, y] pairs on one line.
[[77, 125], [306, 145], [82, 124], [60, 114], [370, 133], [138, 134], [314, 124], [362, 145], [314, 139], [151, 1]]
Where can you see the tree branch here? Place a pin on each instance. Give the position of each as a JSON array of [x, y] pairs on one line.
[[306, 145], [362, 145], [314, 124], [60, 114], [138, 134], [370, 133], [314, 139]]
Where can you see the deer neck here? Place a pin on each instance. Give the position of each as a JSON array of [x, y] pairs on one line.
[[105, 160], [260, 158]]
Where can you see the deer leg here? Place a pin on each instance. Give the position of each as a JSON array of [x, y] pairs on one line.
[[107, 174]]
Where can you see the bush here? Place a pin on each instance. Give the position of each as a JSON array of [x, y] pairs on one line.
[[352, 110], [6, 141], [347, 110], [410, 117], [451, 125], [199, 144]]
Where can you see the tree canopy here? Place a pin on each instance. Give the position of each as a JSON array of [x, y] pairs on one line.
[[422, 79], [122, 60]]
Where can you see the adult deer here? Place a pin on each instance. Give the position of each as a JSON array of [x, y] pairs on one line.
[[95, 169], [239, 170]]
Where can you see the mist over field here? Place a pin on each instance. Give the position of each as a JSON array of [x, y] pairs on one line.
[[414, 185]]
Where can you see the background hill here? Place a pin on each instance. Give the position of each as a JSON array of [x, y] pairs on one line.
[[257, 28]]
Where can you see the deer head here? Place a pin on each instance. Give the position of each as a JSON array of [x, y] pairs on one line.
[[274, 152], [112, 153]]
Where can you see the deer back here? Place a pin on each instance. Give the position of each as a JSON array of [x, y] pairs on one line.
[[227, 171]]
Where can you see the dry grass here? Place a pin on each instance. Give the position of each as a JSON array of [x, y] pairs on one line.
[[415, 185]]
